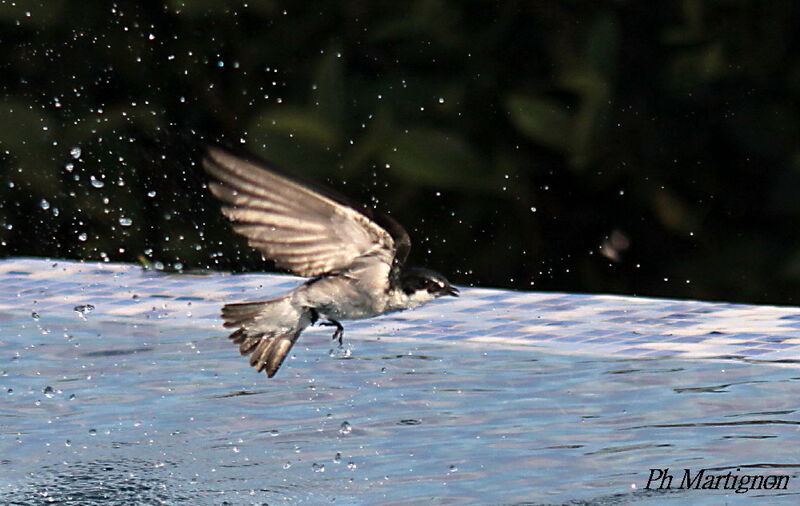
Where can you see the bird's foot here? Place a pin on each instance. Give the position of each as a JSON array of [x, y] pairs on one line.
[[338, 333]]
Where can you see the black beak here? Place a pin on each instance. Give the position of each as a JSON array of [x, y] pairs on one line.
[[451, 290]]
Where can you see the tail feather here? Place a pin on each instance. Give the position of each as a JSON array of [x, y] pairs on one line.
[[246, 343], [267, 330], [236, 314]]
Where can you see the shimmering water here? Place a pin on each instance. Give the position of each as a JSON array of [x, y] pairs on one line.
[[114, 413]]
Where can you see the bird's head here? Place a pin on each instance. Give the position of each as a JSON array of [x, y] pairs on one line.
[[424, 285]]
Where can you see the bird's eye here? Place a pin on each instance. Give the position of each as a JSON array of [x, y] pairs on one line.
[[434, 286]]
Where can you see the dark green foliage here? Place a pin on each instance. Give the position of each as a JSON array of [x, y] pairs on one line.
[[600, 146]]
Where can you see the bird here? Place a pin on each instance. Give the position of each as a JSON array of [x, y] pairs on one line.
[[354, 257]]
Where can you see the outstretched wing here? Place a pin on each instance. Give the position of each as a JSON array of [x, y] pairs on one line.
[[306, 231]]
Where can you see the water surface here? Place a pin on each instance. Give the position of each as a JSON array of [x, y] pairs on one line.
[[100, 412]]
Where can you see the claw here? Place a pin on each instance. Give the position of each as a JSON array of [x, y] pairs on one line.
[[338, 333]]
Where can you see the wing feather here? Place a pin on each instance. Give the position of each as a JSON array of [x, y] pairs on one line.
[[272, 219], [226, 194], [302, 229]]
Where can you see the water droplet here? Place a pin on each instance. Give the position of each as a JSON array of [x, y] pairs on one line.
[[35, 315], [75, 152], [318, 468], [44, 204], [345, 428], [125, 222], [67, 443], [151, 193], [453, 469], [92, 432], [351, 465], [82, 237], [96, 182], [533, 209], [48, 391], [287, 465], [441, 100], [337, 458]]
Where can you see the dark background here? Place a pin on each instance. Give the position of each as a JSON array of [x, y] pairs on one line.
[[621, 146]]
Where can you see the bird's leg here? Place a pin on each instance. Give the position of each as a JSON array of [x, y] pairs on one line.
[[339, 329], [314, 315]]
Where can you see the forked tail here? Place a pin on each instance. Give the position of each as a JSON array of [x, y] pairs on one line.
[[266, 331]]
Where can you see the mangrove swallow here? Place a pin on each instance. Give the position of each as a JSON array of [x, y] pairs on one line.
[[354, 257]]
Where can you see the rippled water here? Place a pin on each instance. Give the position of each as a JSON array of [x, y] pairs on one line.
[[113, 413]]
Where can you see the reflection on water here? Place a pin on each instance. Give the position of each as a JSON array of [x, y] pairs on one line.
[[103, 414]]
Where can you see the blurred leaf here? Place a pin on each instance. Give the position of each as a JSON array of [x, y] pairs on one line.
[[330, 90], [203, 8], [696, 66], [693, 24], [295, 138], [765, 127], [295, 155], [591, 82], [673, 212], [587, 133], [196, 7], [421, 19], [791, 267], [109, 124], [29, 124], [297, 135], [602, 46], [300, 137], [301, 123], [29, 139], [586, 83], [378, 135], [589, 122], [543, 120], [435, 158]]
